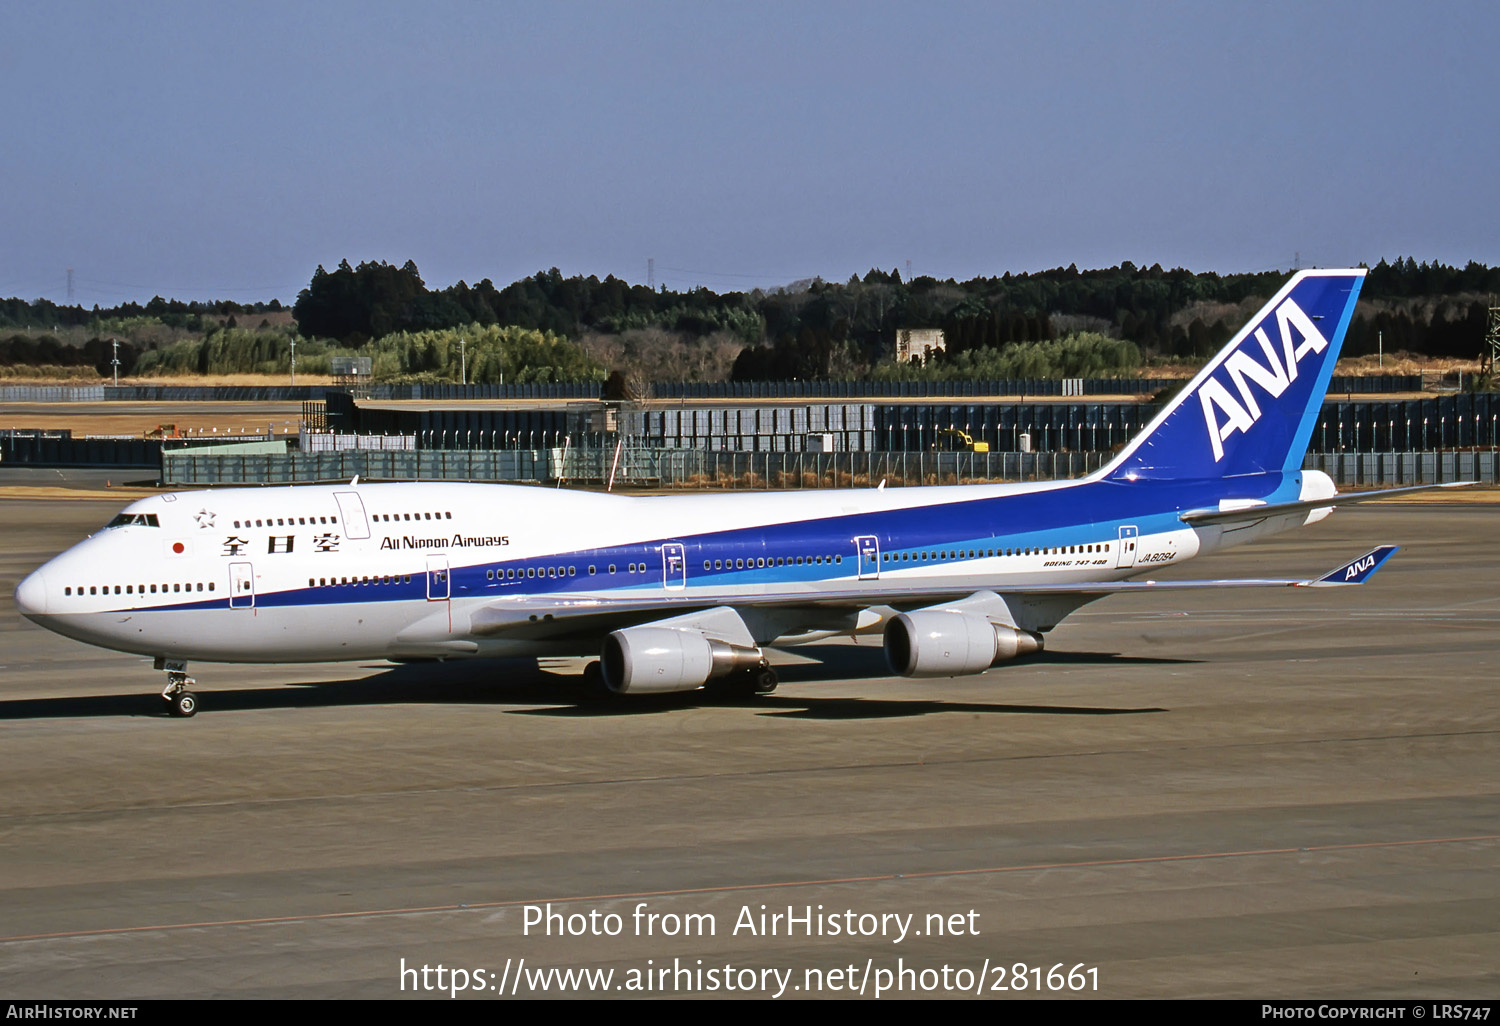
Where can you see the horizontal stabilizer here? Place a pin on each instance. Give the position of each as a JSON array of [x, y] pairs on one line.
[[1252, 514]]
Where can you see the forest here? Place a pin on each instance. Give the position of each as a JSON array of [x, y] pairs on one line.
[[1060, 322]]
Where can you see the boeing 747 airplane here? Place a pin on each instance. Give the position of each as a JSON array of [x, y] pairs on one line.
[[678, 592]]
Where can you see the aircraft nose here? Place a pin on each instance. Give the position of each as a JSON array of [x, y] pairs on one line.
[[31, 595]]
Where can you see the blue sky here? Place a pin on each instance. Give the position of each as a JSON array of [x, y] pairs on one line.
[[223, 151]]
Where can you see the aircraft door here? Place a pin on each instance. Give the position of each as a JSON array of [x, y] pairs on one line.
[[1127, 544], [437, 579], [352, 508], [673, 566], [867, 548], [241, 586]]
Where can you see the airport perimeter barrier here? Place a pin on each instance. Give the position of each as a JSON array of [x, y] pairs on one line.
[[512, 465], [51, 394], [1392, 469], [390, 393], [60, 448], [325, 441], [634, 467], [737, 390], [1373, 425], [1349, 384], [47, 449], [696, 468]]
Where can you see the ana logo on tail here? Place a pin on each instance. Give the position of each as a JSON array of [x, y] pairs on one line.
[[1274, 375]]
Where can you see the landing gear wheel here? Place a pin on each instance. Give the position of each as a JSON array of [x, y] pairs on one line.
[[180, 701], [759, 680]]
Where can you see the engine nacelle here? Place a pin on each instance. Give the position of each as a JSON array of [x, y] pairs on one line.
[[656, 660], [930, 643]]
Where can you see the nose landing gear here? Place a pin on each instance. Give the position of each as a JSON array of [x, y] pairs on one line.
[[179, 700]]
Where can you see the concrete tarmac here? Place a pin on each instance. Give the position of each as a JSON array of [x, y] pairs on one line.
[[1250, 794]]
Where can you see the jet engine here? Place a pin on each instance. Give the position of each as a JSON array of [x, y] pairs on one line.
[[654, 660], [931, 643]]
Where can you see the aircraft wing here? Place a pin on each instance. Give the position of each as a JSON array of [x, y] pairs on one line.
[[536, 616], [1251, 514]]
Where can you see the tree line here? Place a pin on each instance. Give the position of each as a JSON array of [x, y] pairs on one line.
[[810, 330]]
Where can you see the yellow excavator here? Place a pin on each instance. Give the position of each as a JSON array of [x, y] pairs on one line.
[[954, 440]]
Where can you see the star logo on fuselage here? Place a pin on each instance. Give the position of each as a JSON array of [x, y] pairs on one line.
[[205, 519]]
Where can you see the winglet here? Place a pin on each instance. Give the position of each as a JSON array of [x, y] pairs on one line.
[[1357, 571]]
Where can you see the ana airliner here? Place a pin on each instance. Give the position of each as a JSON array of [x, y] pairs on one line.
[[680, 592]]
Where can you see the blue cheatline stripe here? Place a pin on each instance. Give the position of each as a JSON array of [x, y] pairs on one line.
[[1082, 514]]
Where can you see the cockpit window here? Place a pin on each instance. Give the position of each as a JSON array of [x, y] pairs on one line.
[[133, 520]]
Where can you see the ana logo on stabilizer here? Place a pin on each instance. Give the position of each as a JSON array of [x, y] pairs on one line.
[[1223, 413]]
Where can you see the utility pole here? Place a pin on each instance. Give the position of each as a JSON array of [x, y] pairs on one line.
[[1492, 339], [463, 362], [294, 359], [116, 361]]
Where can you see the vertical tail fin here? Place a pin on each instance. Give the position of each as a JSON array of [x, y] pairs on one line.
[[1251, 410]]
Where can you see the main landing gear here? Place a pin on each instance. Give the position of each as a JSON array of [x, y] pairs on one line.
[[756, 681], [179, 700]]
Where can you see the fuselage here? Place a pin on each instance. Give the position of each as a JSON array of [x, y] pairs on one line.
[[410, 570]]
